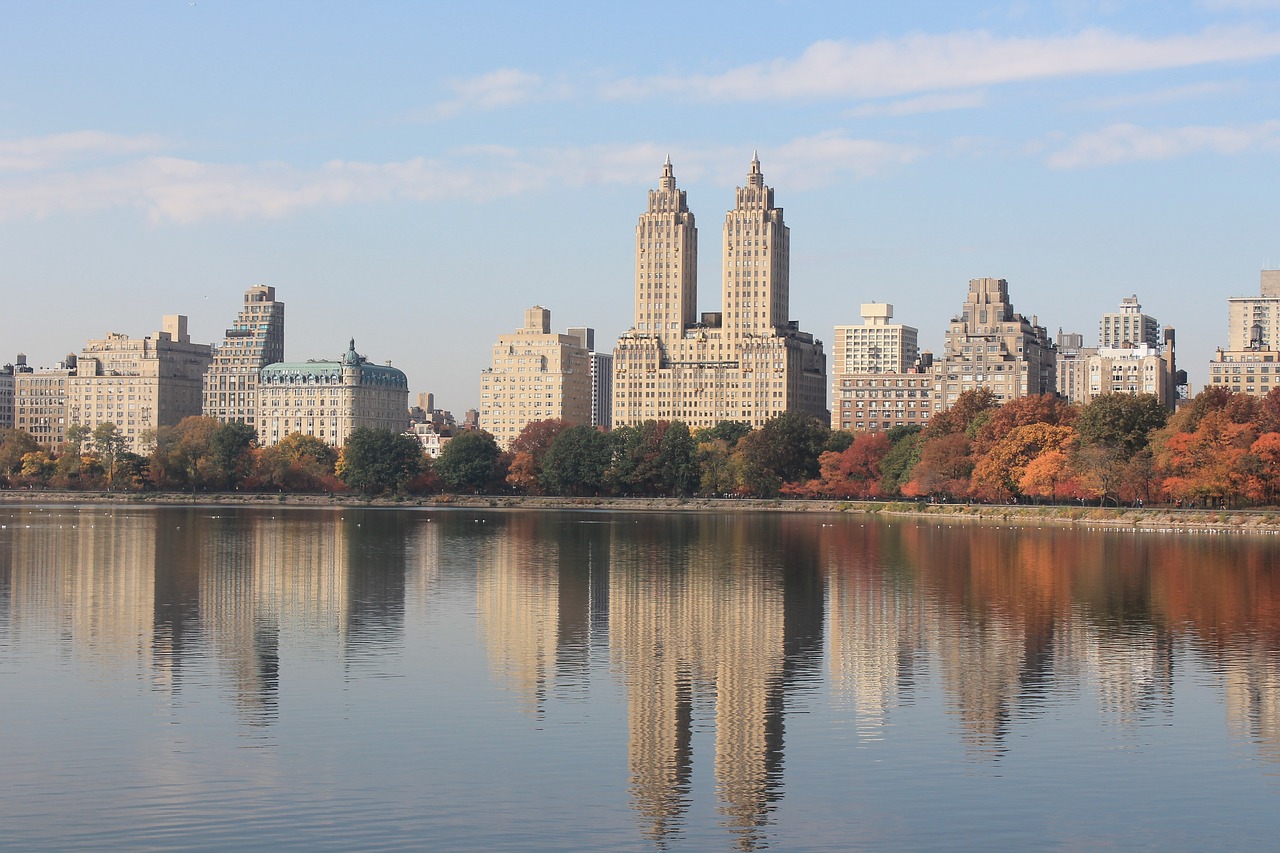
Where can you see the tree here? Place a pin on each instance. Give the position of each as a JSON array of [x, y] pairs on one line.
[[110, 441], [902, 456], [182, 457], [784, 450], [852, 473], [1120, 420], [470, 462], [578, 461], [965, 415], [377, 461], [14, 444], [231, 448], [527, 451], [727, 431], [677, 463], [998, 472], [1209, 463], [944, 468], [1023, 411], [298, 463]]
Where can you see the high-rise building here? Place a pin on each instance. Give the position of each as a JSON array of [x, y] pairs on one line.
[[1128, 327], [255, 340], [139, 384], [877, 380], [535, 375], [1251, 362], [6, 397], [329, 399], [746, 362], [990, 346], [877, 346], [1255, 320], [40, 404], [601, 377]]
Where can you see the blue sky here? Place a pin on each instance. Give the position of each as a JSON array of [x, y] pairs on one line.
[[415, 175]]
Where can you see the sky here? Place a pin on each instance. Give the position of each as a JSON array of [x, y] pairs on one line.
[[414, 175]]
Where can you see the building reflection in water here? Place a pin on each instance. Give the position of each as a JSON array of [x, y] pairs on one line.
[[714, 622], [710, 609], [161, 589]]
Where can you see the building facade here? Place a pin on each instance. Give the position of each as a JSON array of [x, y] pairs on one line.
[[601, 377], [535, 375], [139, 384], [876, 346], [746, 362], [1255, 320], [1128, 327], [329, 399], [255, 340], [877, 380], [6, 396], [990, 346], [40, 404], [1255, 371]]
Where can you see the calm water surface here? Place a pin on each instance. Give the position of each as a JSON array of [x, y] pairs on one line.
[[228, 678]]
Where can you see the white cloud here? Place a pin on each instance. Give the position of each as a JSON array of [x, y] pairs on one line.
[[168, 189], [967, 60], [1165, 96], [922, 104], [505, 87], [1123, 143], [33, 153]]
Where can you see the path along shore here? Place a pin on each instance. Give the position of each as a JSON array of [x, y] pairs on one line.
[[1164, 519]]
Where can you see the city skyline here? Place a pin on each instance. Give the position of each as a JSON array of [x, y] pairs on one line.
[[162, 160]]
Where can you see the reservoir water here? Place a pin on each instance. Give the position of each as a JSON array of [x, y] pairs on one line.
[[229, 678]]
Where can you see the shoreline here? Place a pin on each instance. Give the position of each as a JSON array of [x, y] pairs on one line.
[[1155, 519]]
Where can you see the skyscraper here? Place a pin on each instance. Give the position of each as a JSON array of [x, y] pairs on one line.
[[746, 362], [254, 341]]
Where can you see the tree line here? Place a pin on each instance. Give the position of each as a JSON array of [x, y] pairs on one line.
[[1220, 449]]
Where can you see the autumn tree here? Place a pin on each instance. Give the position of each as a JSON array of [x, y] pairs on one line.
[[528, 450], [999, 471], [851, 473], [944, 468], [1208, 463], [14, 444], [1023, 411]]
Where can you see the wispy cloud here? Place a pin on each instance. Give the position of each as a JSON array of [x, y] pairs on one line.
[[505, 87], [967, 60], [922, 104], [1123, 143], [1165, 96], [170, 189], [33, 153]]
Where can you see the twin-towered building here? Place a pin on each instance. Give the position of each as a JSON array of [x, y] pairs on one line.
[[746, 362]]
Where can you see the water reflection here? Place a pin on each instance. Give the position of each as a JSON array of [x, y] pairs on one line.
[[1018, 618], [719, 629]]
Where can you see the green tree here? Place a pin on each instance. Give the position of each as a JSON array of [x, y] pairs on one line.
[[677, 460], [1123, 421], [904, 453], [231, 448], [578, 462], [471, 461], [727, 431], [784, 450], [377, 461]]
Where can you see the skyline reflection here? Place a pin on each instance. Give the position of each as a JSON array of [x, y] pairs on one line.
[[717, 627]]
